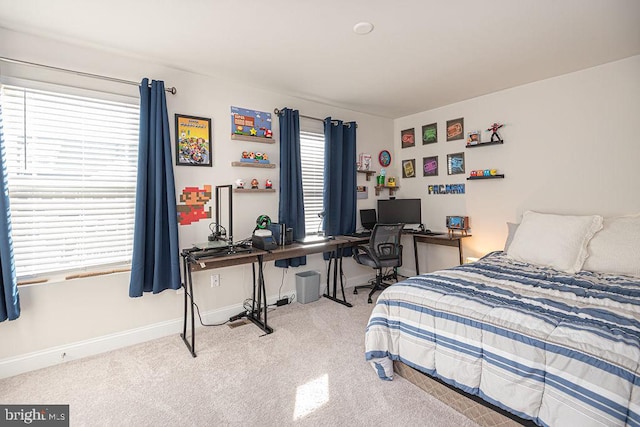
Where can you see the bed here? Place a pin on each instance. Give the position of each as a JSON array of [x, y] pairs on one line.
[[555, 344]]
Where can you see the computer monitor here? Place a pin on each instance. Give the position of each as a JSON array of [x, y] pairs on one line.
[[406, 211], [368, 218]]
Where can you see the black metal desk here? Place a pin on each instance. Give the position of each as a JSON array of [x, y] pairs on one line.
[[257, 315], [190, 264], [437, 239]]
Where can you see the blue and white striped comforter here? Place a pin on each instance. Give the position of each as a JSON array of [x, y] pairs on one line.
[[559, 349]]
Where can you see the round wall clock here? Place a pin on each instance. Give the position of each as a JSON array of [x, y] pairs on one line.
[[384, 158]]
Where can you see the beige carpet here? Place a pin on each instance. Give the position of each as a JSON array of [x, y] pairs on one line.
[[310, 371]]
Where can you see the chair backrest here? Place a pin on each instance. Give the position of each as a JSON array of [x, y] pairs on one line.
[[385, 240]]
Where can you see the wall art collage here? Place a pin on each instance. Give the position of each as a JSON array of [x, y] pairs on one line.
[[455, 164]]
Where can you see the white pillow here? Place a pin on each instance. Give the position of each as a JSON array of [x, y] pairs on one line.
[[511, 231], [556, 241], [616, 249]]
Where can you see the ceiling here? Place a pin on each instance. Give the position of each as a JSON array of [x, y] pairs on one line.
[[422, 54]]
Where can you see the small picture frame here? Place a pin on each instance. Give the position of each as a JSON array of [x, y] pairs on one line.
[[409, 168], [430, 166], [455, 129], [384, 158], [455, 163], [408, 138], [430, 133], [193, 140]]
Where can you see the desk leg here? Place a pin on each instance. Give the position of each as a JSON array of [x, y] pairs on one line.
[[460, 251], [188, 293], [259, 287], [336, 259], [415, 254]]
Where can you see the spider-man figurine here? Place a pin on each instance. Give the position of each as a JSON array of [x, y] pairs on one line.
[[494, 132]]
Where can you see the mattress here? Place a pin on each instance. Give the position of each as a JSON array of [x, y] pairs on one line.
[[558, 349]]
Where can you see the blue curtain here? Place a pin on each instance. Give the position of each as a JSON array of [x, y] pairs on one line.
[[291, 207], [155, 265], [9, 298], [340, 178]]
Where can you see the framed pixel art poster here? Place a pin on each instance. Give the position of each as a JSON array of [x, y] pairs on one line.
[[455, 129], [430, 166], [455, 163], [193, 141], [430, 133], [409, 168], [250, 123], [408, 137]]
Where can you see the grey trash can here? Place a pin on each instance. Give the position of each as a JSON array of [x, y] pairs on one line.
[[307, 286]]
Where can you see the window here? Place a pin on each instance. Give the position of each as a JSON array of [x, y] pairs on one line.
[[72, 165], [312, 159]]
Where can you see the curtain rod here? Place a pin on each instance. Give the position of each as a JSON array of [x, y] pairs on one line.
[[278, 112], [171, 90]]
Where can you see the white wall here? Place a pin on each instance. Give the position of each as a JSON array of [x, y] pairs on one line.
[[58, 314], [571, 146]]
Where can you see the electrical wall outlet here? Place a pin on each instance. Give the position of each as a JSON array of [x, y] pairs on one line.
[[215, 280]]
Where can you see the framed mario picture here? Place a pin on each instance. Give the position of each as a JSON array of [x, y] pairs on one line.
[[193, 141]]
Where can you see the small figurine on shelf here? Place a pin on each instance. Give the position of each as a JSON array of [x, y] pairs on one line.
[[494, 132], [268, 184], [254, 184], [239, 183], [391, 182], [473, 138], [258, 155], [245, 155]]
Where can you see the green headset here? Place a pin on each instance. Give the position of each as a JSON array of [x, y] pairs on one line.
[[263, 222]]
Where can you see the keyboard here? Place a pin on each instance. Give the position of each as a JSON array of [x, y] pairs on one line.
[[360, 234], [426, 232]]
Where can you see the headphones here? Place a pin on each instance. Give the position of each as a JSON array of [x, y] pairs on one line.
[[263, 222]]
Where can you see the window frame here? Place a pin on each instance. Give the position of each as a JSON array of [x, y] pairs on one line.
[[131, 105], [312, 149]]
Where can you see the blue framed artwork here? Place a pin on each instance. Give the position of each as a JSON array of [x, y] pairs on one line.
[[455, 163]]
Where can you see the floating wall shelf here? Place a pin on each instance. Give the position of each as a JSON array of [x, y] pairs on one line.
[[254, 165], [252, 139], [472, 178], [482, 144], [392, 189], [254, 190], [369, 173]]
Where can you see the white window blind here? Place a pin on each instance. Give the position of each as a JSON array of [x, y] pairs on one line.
[[72, 165], [312, 160]]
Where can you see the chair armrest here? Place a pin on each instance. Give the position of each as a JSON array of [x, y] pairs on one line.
[[363, 249]]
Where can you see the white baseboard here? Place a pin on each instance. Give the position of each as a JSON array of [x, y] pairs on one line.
[[15, 365]]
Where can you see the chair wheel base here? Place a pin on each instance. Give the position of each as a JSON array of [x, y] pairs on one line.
[[355, 292], [369, 301]]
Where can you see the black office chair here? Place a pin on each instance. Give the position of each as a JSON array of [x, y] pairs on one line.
[[383, 251]]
